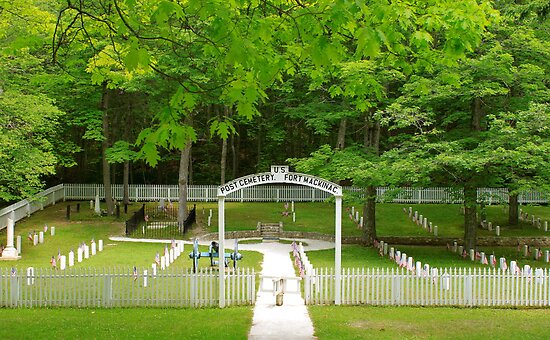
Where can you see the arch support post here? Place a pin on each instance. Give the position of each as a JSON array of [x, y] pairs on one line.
[[221, 250], [338, 252]]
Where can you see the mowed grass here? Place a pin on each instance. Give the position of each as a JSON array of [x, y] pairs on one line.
[[85, 226], [362, 322], [356, 256], [126, 323]]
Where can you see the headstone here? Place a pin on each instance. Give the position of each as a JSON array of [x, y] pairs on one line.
[[63, 262], [527, 271], [460, 250], [86, 251], [421, 220], [410, 212], [162, 262], [403, 259], [145, 278], [416, 215], [418, 269], [502, 263], [547, 256], [154, 269], [430, 227], [410, 263], [171, 255], [353, 210], [385, 249], [292, 206], [497, 230], [545, 225], [97, 208], [455, 247], [425, 224], [381, 245], [525, 250], [209, 220], [492, 260], [482, 259], [533, 219], [392, 253], [52, 231], [93, 248], [472, 255], [100, 245], [68, 215], [357, 216], [513, 267], [210, 213], [41, 237], [539, 276], [538, 223], [71, 258], [361, 222], [30, 276], [18, 244], [91, 204], [35, 240], [490, 226], [435, 231], [293, 217], [79, 252], [426, 269]]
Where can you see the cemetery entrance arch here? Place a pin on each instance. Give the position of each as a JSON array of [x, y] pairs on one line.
[[281, 174]]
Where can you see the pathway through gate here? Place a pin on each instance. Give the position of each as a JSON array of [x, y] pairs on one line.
[[291, 320]]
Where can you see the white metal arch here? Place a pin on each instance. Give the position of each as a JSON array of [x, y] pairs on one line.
[[280, 174]]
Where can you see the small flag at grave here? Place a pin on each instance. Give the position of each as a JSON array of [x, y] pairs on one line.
[[494, 261], [45, 228], [53, 262], [30, 237], [485, 260], [135, 273], [13, 271], [157, 259]]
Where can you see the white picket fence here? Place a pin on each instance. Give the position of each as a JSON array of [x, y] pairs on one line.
[[86, 287], [450, 287], [285, 193], [260, 193]]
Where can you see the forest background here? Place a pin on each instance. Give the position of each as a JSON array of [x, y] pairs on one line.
[[373, 93]]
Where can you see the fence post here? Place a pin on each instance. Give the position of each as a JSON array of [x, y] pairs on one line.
[[468, 298]]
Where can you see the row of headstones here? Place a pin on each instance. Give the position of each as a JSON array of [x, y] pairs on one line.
[[354, 216], [35, 238], [170, 254], [404, 261], [489, 226], [536, 221], [491, 260], [301, 260], [421, 221], [83, 252]]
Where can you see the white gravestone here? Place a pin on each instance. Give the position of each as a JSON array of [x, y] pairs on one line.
[[525, 250], [385, 249], [445, 281], [71, 258], [52, 231], [539, 276], [455, 247], [547, 256], [492, 260], [162, 263], [145, 278], [357, 216], [86, 251], [79, 253], [94, 248], [361, 222], [30, 276], [418, 270], [460, 250], [97, 209], [425, 225], [35, 240], [41, 237], [63, 262], [167, 259], [154, 269], [352, 211], [420, 220], [545, 225], [502, 263], [100, 245], [171, 256], [482, 259], [18, 244], [497, 230], [513, 267], [472, 255], [392, 253], [91, 204], [490, 226], [293, 217]]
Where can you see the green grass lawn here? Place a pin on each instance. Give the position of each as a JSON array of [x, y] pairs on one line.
[[361, 322], [126, 323]]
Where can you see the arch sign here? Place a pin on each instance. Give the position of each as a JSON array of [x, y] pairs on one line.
[[280, 174]]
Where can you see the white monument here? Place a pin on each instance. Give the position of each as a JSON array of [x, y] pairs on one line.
[[10, 252]]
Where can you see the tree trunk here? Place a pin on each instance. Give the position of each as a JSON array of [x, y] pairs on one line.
[[470, 216], [341, 142], [369, 213], [183, 178], [125, 183], [513, 209], [104, 145], [233, 157], [477, 114]]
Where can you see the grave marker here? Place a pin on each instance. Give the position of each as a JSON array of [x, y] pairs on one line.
[[418, 269], [472, 255], [490, 226], [392, 253], [547, 256], [545, 225], [445, 281], [293, 217], [492, 260], [35, 240], [460, 250], [455, 247], [502, 264], [91, 204], [86, 251], [357, 216], [145, 278], [171, 255], [525, 250], [97, 208], [71, 258], [18, 244], [513, 267], [52, 231], [410, 212], [100, 245], [63, 262], [352, 211], [497, 230], [41, 237], [162, 262], [361, 222], [435, 231], [93, 248], [292, 206], [79, 252], [385, 249], [482, 260], [154, 269]]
